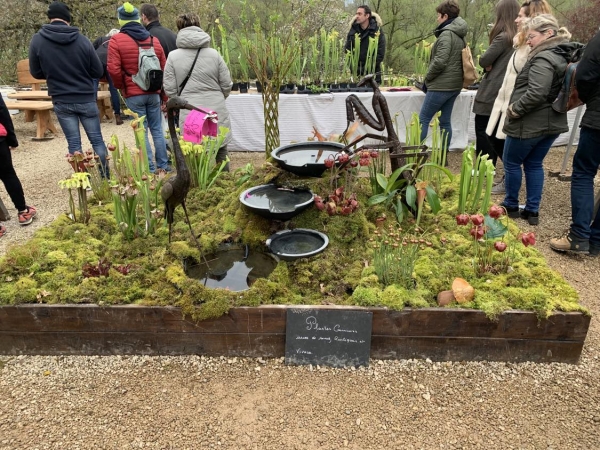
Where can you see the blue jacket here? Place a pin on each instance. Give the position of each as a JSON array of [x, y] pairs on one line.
[[67, 61]]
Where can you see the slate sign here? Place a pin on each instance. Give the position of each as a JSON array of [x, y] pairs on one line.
[[330, 337]]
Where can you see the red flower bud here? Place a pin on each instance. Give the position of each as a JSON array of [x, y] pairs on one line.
[[462, 219], [343, 158], [477, 219], [477, 232], [500, 246], [363, 161], [496, 211], [353, 163], [528, 239], [374, 154], [329, 163]]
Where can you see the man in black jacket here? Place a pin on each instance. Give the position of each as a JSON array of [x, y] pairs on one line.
[[583, 237], [150, 20], [66, 59], [367, 25]]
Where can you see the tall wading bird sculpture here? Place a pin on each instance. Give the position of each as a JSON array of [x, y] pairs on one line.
[[381, 121], [174, 191]]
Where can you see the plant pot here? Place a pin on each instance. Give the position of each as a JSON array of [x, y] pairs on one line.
[[343, 87], [258, 86], [334, 87], [235, 87], [301, 89], [244, 88]]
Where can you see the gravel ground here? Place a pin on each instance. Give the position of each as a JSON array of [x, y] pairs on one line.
[[195, 402]]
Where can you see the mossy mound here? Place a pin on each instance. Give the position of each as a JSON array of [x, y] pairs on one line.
[[48, 268]]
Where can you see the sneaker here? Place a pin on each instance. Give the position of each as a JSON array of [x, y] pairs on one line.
[[570, 243], [512, 211], [532, 217], [499, 188], [26, 217]]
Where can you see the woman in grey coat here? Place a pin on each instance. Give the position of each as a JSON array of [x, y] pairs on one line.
[[494, 61], [210, 81]]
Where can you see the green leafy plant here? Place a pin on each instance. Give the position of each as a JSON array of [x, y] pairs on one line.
[[201, 159], [422, 56], [395, 253], [135, 191], [476, 181], [408, 191], [244, 174]]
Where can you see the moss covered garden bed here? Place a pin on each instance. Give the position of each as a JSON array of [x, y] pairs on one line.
[[372, 260]]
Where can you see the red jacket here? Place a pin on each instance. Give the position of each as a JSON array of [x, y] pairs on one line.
[[123, 59]]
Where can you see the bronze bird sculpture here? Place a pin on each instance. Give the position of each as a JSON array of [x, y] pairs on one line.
[[174, 191], [381, 121]]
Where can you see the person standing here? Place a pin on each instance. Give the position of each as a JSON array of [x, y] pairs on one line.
[[209, 83], [123, 52], [583, 237], [12, 184], [68, 62], [444, 78], [367, 24], [150, 19], [101, 46], [530, 8], [532, 125], [494, 62]]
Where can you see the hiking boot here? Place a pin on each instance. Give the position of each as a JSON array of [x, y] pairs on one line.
[[512, 212], [26, 217], [570, 243], [594, 250], [118, 119], [532, 217], [499, 188]]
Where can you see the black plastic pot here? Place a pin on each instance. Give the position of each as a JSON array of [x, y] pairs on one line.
[[244, 88], [301, 158], [235, 87]]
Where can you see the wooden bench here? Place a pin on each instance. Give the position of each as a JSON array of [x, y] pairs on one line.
[[25, 78], [42, 110]]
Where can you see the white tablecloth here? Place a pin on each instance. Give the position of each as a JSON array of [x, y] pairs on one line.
[[298, 113]]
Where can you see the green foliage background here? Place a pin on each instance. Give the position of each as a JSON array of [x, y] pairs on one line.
[[406, 22]]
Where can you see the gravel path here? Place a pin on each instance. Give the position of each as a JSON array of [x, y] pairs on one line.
[[196, 402]]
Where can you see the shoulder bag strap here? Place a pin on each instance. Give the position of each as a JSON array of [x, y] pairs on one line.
[[185, 80]]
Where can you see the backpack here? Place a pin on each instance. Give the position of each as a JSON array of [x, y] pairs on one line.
[[469, 71], [150, 75], [567, 97]]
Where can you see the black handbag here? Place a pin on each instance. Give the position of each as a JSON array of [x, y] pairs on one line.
[[185, 80]]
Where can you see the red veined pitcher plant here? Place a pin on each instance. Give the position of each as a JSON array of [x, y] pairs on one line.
[[493, 246]]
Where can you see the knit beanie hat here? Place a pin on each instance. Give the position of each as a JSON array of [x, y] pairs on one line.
[[128, 13], [58, 10]]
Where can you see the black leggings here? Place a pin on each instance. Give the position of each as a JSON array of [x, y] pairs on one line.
[[9, 177], [485, 144]]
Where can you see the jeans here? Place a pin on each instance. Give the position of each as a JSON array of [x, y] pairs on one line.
[[9, 177], [438, 101], [69, 115], [585, 166], [485, 144], [529, 153], [149, 105]]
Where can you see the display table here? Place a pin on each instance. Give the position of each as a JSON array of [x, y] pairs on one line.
[[298, 113]]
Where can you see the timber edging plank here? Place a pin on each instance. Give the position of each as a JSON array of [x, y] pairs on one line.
[[435, 333]]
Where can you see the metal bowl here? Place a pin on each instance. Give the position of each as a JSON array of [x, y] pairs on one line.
[[275, 202], [301, 158], [290, 245]]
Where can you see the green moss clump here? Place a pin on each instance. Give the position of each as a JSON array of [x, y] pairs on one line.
[[48, 268]]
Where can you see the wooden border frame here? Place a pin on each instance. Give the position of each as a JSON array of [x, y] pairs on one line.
[[441, 334]]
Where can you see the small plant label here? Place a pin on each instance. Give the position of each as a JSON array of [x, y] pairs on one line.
[[329, 337]]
